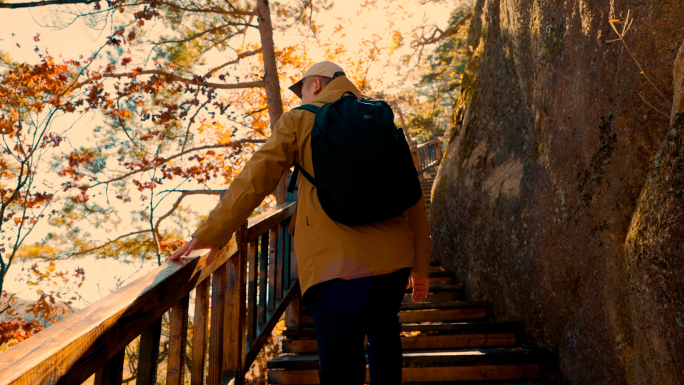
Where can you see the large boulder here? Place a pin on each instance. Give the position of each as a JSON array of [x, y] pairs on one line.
[[560, 198]]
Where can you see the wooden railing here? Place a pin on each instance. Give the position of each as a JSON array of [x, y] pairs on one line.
[[429, 154], [238, 300]]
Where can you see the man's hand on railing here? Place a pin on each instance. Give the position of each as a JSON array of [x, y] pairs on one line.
[[420, 285], [192, 245]]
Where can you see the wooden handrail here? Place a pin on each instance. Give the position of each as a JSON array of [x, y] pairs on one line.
[[429, 154], [93, 339]]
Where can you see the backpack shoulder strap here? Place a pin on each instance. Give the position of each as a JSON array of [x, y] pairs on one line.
[[308, 107], [295, 175]]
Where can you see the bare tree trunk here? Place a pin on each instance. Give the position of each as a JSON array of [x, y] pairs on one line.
[[271, 82]]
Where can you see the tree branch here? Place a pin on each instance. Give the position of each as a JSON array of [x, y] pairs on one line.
[[184, 193], [240, 57], [175, 78], [164, 160], [207, 10], [449, 32], [42, 3]]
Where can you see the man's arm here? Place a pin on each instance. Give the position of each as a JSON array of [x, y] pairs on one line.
[[422, 243], [258, 179], [422, 246]]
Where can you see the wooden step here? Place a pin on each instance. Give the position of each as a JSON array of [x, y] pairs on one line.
[[429, 313], [454, 341], [443, 315], [440, 281], [436, 297], [462, 327], [451, 357], [443, 288], [446, 374], [444, 328], [443, 305], [425, 366]]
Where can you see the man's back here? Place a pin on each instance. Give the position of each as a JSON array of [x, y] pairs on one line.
[[325, 249]]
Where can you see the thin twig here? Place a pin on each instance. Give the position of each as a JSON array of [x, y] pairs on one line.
[[652, 106], [109, 243], [627, 25]]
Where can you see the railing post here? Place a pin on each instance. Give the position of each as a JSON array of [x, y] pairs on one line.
[[199, 333], [234, 349], [177, 335], [112, 372], [294, 310], [252, 292], [263, 271], [216, 334], [149, 354]]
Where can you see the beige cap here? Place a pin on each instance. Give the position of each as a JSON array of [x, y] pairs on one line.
[[324, 68]]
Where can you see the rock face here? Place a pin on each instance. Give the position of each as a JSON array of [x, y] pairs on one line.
[[561, 196]]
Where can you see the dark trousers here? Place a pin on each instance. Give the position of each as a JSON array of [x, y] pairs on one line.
[[346, 311]]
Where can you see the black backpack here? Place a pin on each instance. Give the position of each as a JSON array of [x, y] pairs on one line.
[[362, 162]]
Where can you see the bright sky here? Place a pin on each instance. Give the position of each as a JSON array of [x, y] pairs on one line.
[[18, 27]]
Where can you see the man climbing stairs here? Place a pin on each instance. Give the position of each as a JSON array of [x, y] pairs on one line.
[[444, 340]]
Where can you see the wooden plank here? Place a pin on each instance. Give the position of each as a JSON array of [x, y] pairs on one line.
[[287, 282], [445, 357], [457, 341], [422, 342], [263, 264], [294, 310], [293, 261], [77, 346], [442, 288], [470, 373], [280, 259], [148, 354], [442, 273], [112, 372], [443, 305], [462, 327], [262, 223], [424, 374], [451, 327], [435, 297], [442, 315], [216, 332], [178, 332], [252, 293], [199, 333], [441, 281], [265, 332], [235, 311], [272, 267]]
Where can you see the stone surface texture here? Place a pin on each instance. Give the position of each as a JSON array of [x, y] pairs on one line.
[[560, 198]]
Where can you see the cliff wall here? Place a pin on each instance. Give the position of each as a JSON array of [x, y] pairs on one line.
[[561, 196]]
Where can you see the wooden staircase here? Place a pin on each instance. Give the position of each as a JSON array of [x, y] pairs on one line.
[[445, 340], [426, 184]]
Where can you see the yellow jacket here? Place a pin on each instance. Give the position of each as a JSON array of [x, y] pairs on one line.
[[324, 249]]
